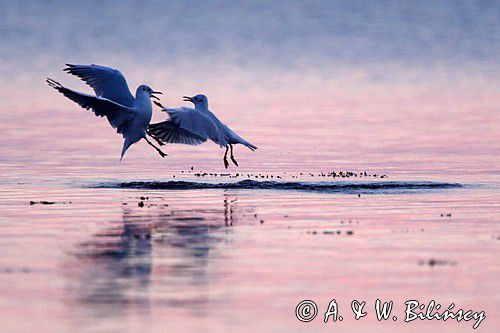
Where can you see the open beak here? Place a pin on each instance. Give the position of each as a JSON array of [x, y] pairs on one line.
[[155, 92], [187, 99]]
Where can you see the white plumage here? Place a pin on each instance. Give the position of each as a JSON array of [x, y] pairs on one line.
[[195, 126], [128, 114]]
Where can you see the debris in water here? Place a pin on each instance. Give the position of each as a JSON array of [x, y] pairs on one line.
[[436, 262], [43, 202]]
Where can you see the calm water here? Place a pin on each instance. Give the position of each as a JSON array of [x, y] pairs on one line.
[[297, 81]]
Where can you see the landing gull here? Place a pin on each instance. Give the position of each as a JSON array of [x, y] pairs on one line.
[[128, 114], [195, 126]]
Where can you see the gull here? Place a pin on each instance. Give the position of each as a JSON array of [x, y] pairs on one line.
[[195, 126], [128, 114]]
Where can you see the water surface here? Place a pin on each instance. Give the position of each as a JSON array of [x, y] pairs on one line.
[[406, 92]]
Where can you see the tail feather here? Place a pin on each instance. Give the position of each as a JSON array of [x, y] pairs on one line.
[[235, 138], [126, 145], [249, 145]]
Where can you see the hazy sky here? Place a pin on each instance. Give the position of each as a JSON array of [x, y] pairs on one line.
[[283, 34]]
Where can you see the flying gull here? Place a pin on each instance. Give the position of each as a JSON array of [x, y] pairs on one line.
[[128, 114]]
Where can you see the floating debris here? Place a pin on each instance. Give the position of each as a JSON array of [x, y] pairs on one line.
[[436, 262], [41, 203], [323, 174], [330, 232]]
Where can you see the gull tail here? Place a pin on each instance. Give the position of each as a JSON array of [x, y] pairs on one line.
[[126, 144], [235, 138], [242, 141], [249, 145]]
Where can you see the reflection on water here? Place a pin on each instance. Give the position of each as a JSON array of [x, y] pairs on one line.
[[222, 259], [114, 268], [421, 106], [114, 263]]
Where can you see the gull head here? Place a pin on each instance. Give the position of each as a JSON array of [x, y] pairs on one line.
[[199, 100], [146, 90]]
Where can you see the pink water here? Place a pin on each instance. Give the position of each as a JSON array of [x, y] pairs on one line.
[[242, 259], [409, 91]]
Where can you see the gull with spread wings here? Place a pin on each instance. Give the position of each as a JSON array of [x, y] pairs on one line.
[[128, 114], [195, 126]]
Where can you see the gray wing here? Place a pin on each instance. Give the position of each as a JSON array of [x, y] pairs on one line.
[[118, 115], [198, 123], [170, 132], [193, 123], [106, 82]]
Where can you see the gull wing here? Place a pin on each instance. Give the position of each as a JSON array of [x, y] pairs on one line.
[[118, 115], [197, 123], [170, 132], [106, 82]]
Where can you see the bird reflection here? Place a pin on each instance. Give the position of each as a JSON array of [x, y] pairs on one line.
[[229, 206], [115, 269]]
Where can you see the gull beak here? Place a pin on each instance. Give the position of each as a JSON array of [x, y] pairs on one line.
[[159, 105], [155, 92], [187, 99]]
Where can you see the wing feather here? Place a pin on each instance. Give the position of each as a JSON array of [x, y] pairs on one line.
[[118, 115], [106, 82], [198, 123], [186, 124], [170, 132]]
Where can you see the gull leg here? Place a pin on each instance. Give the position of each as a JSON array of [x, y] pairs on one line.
[[232, 157], [162, 154], [226, 163], [157, 140]]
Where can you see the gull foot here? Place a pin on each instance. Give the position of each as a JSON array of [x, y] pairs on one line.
[[226, 163], [234, 161]]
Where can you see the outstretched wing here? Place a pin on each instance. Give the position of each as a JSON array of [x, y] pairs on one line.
[[197, 123], [106, 82], [170, 132], [118, 115]]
